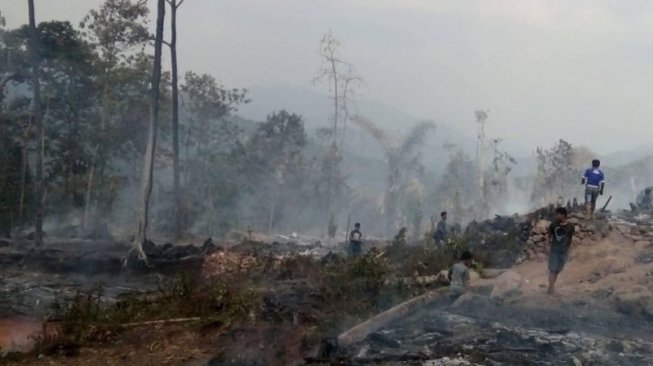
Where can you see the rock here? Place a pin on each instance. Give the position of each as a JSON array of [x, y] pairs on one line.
[[473, 276], [491, 273], [538, 238], [443, 277], [507, 284], [541, 227]]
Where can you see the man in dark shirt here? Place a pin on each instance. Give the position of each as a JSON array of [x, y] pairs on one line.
[[561, 232], [355, 241], [440, 234]]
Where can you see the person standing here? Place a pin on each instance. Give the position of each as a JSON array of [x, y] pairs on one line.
[[356, 241], [561, 232], [594, 181], [440, 234]]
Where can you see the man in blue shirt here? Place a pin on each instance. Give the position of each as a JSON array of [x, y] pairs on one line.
[[594, 181]]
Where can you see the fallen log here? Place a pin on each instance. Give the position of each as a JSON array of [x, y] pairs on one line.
[[362, 330], [161, 322]]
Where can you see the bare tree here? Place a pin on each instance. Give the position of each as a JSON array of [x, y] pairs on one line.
[[174, 5], [148, 166], [38, 122], [350, 82], [341, 81]]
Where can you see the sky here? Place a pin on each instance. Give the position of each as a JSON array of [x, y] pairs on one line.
[[580, 70]]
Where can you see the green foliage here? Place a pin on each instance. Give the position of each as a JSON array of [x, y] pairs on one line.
[[116, 28], [358, 285], [276, 171]]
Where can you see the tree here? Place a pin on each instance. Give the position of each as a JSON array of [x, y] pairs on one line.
[[148, 166], [495, 189], [556, 175], [457, 192], [276, 165], [342, 82], [38, 122], [213, 153], [174, 5], [403, 160], [117, 31]]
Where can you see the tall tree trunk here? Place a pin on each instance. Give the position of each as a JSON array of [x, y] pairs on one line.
[[336, 110], [89, 189], [148, 164], [175, 116], [23, 172], [36, 104]]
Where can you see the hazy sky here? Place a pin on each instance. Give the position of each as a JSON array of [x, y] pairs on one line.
[[580, 70]]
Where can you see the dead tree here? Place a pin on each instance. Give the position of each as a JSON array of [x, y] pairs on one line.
[[148, 165], [38, 123]]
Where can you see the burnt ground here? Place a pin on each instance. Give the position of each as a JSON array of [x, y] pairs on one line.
[[483, 332], [602, 315]]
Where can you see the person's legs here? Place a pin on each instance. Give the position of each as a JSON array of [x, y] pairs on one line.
[[356, 249], [595, 196], [556, 264], [553, 276], [588, 204]]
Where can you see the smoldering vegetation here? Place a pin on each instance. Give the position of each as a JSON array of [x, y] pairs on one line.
[[240, 224]]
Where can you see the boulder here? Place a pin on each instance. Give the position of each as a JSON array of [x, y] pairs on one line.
[[507, 284]]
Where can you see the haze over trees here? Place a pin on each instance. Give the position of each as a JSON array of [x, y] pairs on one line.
[[95, 128]]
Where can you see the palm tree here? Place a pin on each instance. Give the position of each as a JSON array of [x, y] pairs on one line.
[[403, 160]]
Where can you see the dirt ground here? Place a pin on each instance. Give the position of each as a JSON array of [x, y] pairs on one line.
[[595, 271]]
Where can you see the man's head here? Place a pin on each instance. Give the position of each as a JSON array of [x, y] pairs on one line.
[[647, 191], [561, 214], [357, 225], [596, 163], [443, 215], [466, 257]]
